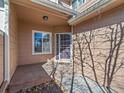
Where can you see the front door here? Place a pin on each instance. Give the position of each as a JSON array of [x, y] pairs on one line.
[[63, 46]]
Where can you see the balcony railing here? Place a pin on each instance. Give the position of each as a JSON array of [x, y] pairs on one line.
[[59, 6], [95, 6], [59, 2]]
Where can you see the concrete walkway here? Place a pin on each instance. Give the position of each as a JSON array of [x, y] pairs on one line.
[[28, 76]]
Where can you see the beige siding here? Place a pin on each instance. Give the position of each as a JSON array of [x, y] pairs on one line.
[[13, 40], [1, 43], [25, 42], [99, 26], [1, 58]]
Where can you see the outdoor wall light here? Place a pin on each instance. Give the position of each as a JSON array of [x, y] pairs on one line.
[[45, 18]]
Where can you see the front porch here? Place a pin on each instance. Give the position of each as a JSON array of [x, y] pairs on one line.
[[33, 42], [36, 78], [30, 76]]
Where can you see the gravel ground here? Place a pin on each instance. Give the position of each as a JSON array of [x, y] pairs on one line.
[[63, 78]]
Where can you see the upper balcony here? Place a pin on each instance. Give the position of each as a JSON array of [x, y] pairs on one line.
[[65, 3], [82, 5], [87, 9], [63, 6], [73, 7]]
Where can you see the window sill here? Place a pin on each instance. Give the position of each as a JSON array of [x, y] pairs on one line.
[[64, 61], [42, 53], [1, 9]]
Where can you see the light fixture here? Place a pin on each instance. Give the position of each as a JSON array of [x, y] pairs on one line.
[[45, 18]]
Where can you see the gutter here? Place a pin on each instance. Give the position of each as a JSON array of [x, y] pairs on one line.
[[89, 11], [55, 6]]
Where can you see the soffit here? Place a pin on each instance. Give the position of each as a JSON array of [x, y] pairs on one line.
[[30, 4], [33, 13], [33, 16]]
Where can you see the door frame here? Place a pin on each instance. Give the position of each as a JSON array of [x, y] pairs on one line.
[[66, 60]]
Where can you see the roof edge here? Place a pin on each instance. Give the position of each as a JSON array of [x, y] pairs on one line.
[[55, 6], [91, 11]]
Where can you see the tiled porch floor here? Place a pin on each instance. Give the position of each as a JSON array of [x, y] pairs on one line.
[[28, 76]]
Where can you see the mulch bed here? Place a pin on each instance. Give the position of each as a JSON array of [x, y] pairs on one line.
[[50, 87]]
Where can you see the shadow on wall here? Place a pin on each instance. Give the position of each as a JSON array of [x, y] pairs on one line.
[[98, 62], [100, 52]]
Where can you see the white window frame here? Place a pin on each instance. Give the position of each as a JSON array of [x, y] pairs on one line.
[[79, 5], [55, 1], [7, 41], [35, 53], [66, 60]]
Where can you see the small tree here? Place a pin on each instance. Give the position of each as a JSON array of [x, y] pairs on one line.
[[86, 45]]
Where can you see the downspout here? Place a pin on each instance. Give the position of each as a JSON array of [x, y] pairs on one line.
[[72, 32], [72, 59], [7, 40]]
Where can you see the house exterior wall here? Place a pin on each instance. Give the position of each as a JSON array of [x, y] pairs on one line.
[[1, 41], [13, 40], [1, 58], [101, 25], [25, 42]]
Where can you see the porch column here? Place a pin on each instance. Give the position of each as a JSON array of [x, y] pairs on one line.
[[7, 45]]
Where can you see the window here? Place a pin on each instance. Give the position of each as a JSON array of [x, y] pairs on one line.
[[1, 3], [81, 1], [63, 46], [77, 3], [41, 42], [74, 4]]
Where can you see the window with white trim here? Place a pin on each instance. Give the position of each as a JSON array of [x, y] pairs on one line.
[[41, 42], [1, 3], [77, 3]]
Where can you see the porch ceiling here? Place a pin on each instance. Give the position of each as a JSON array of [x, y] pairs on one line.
[[34, 14]]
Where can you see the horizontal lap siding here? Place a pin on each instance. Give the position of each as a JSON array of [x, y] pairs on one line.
[[25, 42], [13, 40], [99, 26], [1, 58]]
